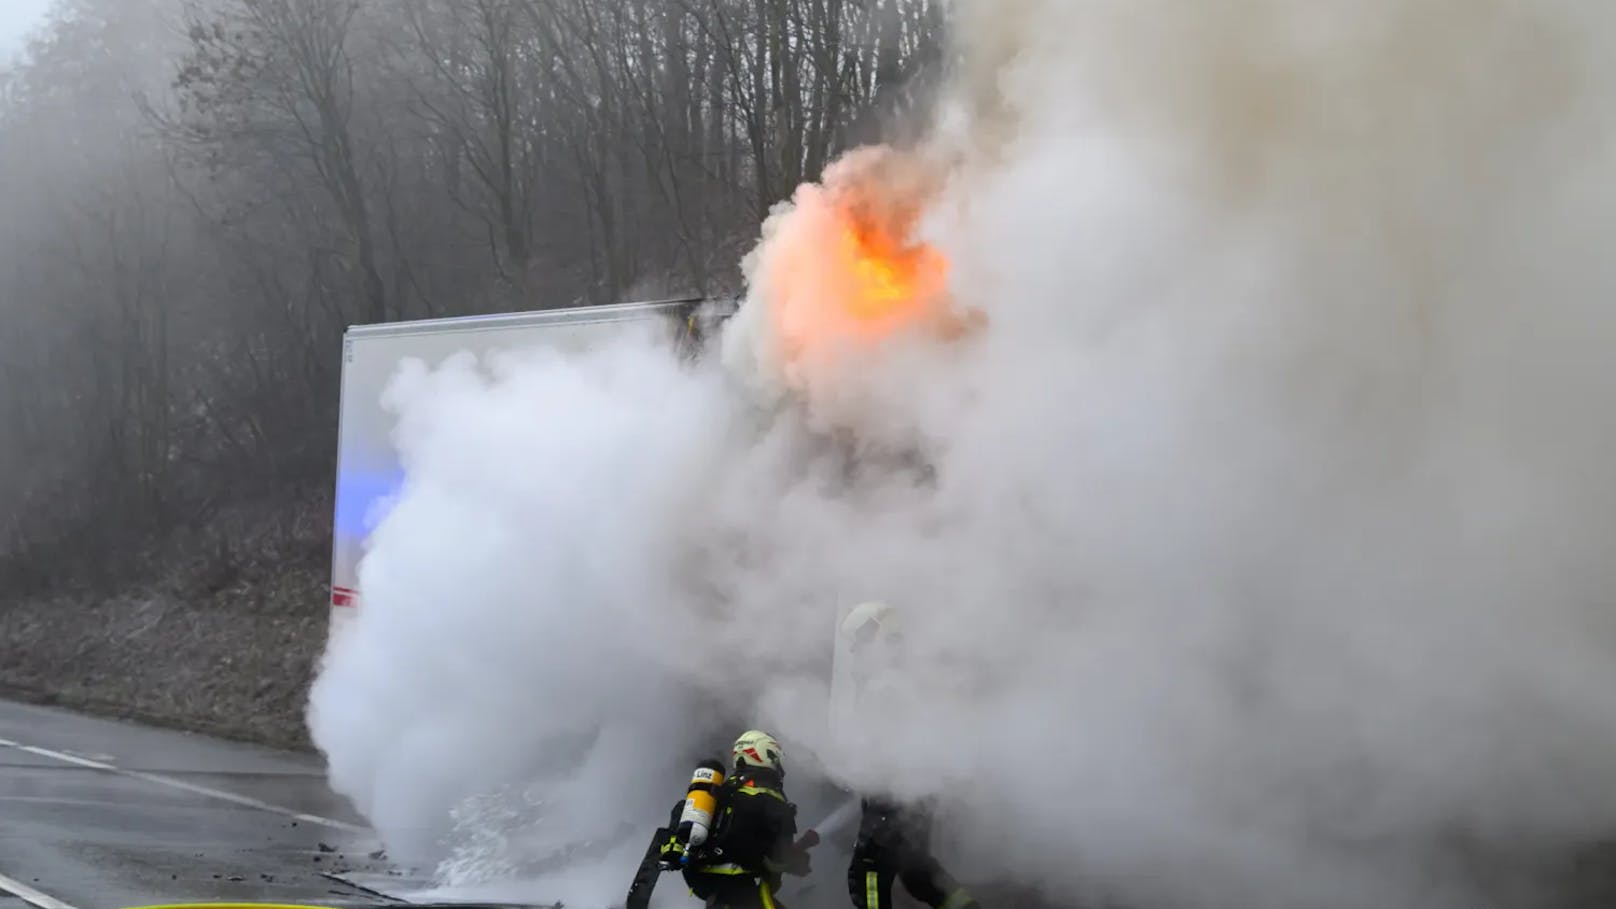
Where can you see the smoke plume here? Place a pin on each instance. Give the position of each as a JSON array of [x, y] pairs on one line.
[[1239, 448]]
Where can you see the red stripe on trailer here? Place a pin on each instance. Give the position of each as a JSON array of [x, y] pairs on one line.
[[344, 596]]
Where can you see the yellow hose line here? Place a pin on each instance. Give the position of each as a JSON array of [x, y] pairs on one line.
[[230, 906]]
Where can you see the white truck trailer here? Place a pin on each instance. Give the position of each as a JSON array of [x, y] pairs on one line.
[[369, 474], [368, 471]]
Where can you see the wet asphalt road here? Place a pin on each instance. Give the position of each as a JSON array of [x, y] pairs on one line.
[[181, 818]]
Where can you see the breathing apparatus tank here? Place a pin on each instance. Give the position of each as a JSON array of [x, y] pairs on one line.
[[701, 803]]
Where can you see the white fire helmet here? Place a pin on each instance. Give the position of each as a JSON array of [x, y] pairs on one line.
[[869, 622], [758, 749]]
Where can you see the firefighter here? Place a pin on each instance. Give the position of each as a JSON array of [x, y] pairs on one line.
[[894, 842], [894, 839], [752, 844]]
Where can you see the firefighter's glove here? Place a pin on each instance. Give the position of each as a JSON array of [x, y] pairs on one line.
[[672, 855]]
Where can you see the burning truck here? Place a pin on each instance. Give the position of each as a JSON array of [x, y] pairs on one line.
[[845, 271], [840, 274]]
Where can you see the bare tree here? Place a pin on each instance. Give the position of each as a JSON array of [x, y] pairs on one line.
[[272, 82], [230, 183]]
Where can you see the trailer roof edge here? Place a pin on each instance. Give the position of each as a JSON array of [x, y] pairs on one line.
[[576, 315]]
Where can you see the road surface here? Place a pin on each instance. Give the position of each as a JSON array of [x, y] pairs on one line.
[[96, 814]]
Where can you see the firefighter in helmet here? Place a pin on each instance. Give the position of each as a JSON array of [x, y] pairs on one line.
[[752, 843], [894, 838]]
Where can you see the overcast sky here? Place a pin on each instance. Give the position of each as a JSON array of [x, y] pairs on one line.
[[17, 18]]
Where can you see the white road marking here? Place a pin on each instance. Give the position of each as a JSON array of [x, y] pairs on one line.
[[58, 755], [172, 783], [29, 895]]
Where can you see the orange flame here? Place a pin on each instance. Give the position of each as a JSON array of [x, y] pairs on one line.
[[844, 263], [893, 284]]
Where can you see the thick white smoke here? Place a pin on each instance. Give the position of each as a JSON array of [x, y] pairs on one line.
[[1256, 538], [513, 615]]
